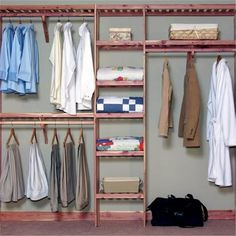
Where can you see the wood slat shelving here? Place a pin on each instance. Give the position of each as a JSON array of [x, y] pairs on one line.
[[119, 153], [119, 196]]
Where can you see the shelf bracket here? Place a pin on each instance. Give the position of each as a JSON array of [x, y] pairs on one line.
[[45, 28]]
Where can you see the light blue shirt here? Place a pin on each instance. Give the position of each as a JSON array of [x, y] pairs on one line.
[[14, 83], [29, 71], [5, 56]]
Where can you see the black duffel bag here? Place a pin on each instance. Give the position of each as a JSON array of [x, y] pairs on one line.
[[183, 212]]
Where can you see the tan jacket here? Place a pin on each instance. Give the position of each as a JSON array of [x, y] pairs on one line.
[[189, 127], [165, 119]]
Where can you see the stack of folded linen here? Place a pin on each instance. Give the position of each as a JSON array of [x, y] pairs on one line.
[[120, 73], [123, 143], [114, 104]]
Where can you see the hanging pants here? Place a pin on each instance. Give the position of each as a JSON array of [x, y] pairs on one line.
[[54, 183], [82, 183], [67, 183], [37, 184], [11, 181]]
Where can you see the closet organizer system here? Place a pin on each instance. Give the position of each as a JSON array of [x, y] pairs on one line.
[[143, 45]]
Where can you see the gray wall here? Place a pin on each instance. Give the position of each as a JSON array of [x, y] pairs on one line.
[[172, 169]]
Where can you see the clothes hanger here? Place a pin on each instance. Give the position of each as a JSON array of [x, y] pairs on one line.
[[12, 134], [219, 57], [55, 137], [34, 136], [81, 135], [68, 134]]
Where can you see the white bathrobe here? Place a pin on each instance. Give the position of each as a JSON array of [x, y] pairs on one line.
[[85, 80], [56, 60], [68, 99], [221, 125]]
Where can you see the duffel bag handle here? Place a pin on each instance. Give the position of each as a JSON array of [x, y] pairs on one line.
[[204, 209], [171, 196], [189, 196]]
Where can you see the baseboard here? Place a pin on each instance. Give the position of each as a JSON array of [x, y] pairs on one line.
[[72, 216]]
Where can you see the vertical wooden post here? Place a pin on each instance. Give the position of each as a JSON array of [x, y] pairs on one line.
[[234, 81], [144, 120], [0, 108], [0, 101], [96, 124]]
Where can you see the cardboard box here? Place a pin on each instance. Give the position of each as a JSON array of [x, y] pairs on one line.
[[121, 184]]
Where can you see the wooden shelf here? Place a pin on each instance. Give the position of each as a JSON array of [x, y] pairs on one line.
[[118, 45], [171, 45], [120, 10], [119, 153], [45, 115], [167, 10], [137, 115], [120, 196], [47, 10], [189, 45], [124, 83], [190, 10]]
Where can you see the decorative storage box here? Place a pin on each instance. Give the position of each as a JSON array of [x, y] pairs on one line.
[[121, 184], [194, 31], [120, 34]]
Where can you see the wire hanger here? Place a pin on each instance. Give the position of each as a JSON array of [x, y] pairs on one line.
[[34, 136], [55, 137], [12, 134], [68, 134]]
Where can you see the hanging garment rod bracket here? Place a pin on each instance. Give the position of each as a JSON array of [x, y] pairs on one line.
[[45, 28]]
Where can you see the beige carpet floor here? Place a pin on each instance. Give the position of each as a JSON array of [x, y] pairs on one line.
[[211, 227]]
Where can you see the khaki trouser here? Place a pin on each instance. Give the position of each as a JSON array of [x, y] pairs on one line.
[[11, 181], [67, 184]]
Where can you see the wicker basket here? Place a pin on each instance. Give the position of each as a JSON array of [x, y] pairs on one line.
[[194, 32], [120, 34]]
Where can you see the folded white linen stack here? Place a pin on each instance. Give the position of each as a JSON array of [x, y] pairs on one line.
[[120, 73]]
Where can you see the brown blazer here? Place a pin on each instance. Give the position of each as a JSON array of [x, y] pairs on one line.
[[165, 119], [189, 127]]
